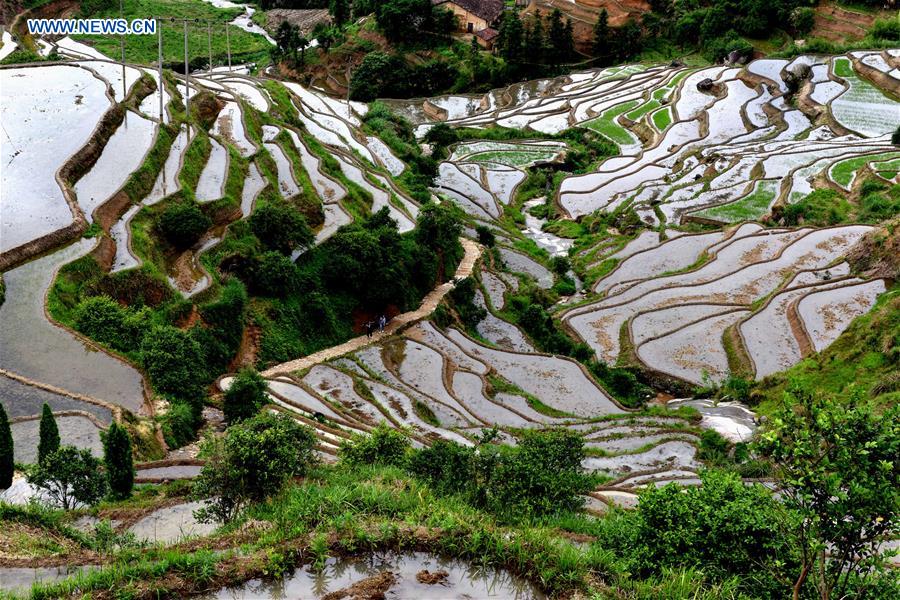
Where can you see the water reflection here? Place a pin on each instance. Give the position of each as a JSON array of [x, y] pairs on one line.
[[463, 580]]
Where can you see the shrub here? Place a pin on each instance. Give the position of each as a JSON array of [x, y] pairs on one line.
[[281, 227], [447, 466], [463, 298], [713, 447], [895, 137], [183, 223], [117, 458], [724, 526], [179, 424], [540, 476], [69, 477], [103, 319], [485, 236], [174, 362], [274, 275], [441, 135], [803, 19], [7, 459], [245, 396], [48, 433], [382, 446], [251, 463]]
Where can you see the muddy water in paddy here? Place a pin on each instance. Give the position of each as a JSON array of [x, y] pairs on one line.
[[463, 580], [34, 348], [18, 580]]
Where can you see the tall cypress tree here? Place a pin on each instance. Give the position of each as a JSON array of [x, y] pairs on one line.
[[49, 434], [7, 464], [119, 462], [601, 35]]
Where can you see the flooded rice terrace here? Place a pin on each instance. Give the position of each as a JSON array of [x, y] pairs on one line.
[[390, 575]]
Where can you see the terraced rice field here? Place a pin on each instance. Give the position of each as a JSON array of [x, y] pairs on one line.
[[678, 322], [716, 137], [686, 306]]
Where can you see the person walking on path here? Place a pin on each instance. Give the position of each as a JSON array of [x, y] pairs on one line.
[[369, 328], [382, 321]]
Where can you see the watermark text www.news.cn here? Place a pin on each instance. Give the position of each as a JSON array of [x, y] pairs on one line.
[[91, 27]]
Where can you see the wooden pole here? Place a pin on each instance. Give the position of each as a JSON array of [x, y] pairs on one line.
[[122, 45], [159, 23], [209, 44], [187, 74], [228, 46]]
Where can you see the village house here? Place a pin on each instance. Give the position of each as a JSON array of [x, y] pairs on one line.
[[474, 15]]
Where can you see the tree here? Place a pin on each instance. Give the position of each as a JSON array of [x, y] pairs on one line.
[[627, 40], [803, 19], [286, 39], [340, 11], [7, 458], [510, 37], [251, 463], [245, 396], [559, 45], [895, 137], [48, 433], [174, 361], [70, 477], [535, 41], [441, 135], [378, 74], [281, 227], [601, 35], [303, 44], [404, 20], [838, 467], [182, 224], [119, 462]]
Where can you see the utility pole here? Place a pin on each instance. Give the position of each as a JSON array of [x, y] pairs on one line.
[[187, 75], [122, 45], [159, 63], [228, 46], [209, 44]]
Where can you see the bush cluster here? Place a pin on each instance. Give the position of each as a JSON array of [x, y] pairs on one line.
[[540, 476]]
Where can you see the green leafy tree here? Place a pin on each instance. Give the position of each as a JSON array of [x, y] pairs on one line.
[[838, 467], [174, 361], [48, 433], [287, 39], [441, 135], [402, 21], [119, 461], [802, 19], [69, 477], [245, 396], [340, 11], [377, 73], [251, 463], [281, 227], [601, 45], [182, 224], [7, 458]]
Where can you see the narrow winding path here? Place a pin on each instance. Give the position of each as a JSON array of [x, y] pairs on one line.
[[429, 303]]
